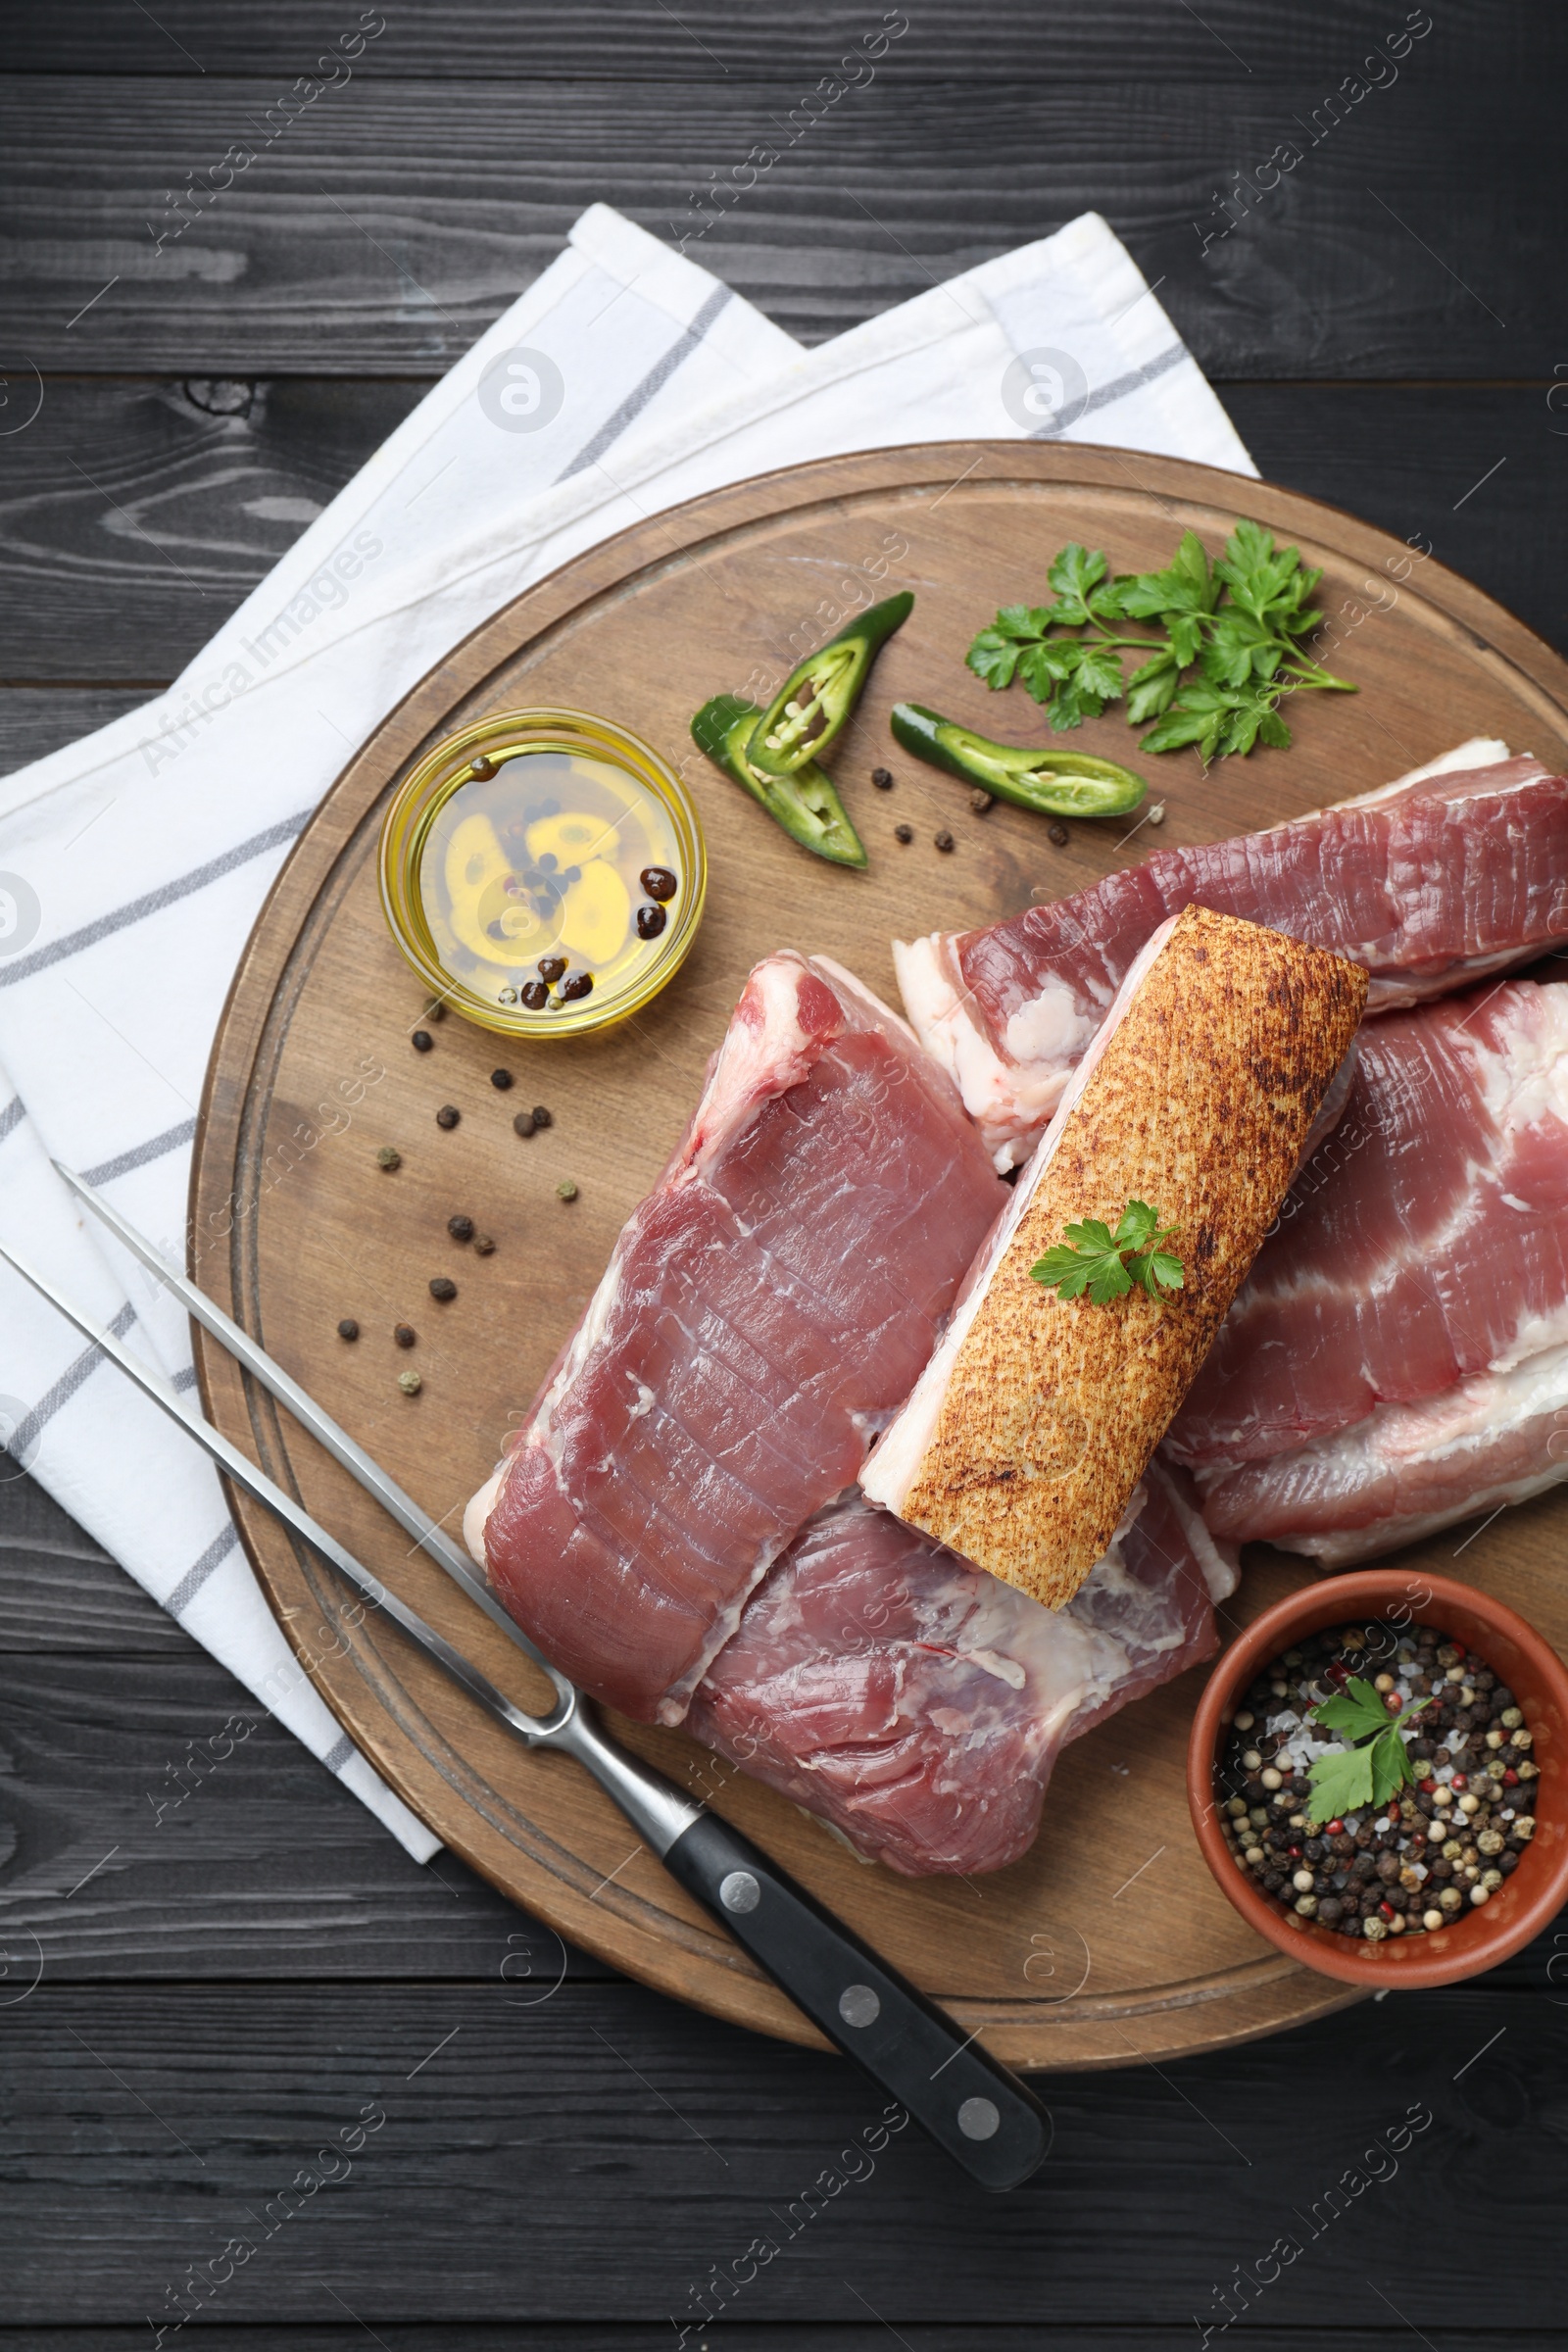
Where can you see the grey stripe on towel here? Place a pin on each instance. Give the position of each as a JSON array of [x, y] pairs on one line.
[[1104, 395], [338, 1755], [11, 1116], [640, 395], [191, 1582], [26, 1433], [140, 1153], [167, 893]]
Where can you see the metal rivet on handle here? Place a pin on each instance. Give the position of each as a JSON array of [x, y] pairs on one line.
[[979, 2118], [741, 1892], [860, 2005]]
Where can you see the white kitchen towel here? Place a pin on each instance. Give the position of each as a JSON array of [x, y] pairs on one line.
[[132, 865]]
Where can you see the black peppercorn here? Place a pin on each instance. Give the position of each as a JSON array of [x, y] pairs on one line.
[[980, 802], [501, 1080], [650, 920], [944, 841], [524, 1123], [904, 833], [483, 1246], [1057, 832], [443, 1287], [404, 1334], [448, 1115], [461, 1228], [541, 1116], [421, 1040], [348, 1329], [881, 779]]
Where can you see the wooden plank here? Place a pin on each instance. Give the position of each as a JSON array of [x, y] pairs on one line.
[[37, 720], [134, 516], [165, 1825], [596, 2155], [59, 1591], [388, 229], [88, 598], [712, 41], [973, 2335]]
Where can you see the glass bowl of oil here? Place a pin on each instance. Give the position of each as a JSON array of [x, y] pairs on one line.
[[544, 872]]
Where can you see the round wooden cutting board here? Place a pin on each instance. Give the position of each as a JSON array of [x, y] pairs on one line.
[[1109, 1943]]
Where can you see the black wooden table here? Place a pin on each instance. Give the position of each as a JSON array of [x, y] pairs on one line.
[[258, 2007]]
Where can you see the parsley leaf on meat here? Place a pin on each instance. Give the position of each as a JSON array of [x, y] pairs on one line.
[[1104, 1264]]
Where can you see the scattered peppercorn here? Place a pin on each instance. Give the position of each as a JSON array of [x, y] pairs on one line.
[[481, 766], [1430, 1853], [410, 1382], [501, 1080], [904, 833], [1156, 815], [534, 995], [348, 1329], [565, 1190], [541, 1116], [386, 1158], [436, 1010], [421, 1040], [650, 920], [944, 841], [404, 1334], [551, 967], [448, 1115], [881, 779], [443, 1287], [579, 986], [658, 882], [980, 802], [482, 1245], [524, 1123], [461, 1228], [1057, 831]]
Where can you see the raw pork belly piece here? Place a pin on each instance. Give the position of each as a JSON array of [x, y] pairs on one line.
[[1398, 1356], [763, 1313], [1456, 869], [919, 1705]]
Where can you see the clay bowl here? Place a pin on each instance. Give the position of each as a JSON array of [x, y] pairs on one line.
[[1527, 1901]]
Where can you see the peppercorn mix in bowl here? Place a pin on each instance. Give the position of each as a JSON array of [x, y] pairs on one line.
[[544, 871], [1387, 1749]]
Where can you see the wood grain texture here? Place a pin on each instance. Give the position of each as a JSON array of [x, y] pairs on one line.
[[213, 495], [387, 227], [594, 2155], [641, 629], [710, 40], [1198, 1104]]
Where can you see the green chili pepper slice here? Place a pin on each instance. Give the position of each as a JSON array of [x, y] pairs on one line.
[[1057, 783], [805, 803], [817, 697]]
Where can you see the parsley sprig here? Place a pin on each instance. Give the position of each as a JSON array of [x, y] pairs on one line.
[[1347, 1780], [1229, 646], [1107, 1264]]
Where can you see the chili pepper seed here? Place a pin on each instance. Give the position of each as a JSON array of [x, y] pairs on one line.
[[461, 1228], [448, 1115], [443, 1287], [1156, 815], [348, 1329], [404, 1334], [388, 1158]]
